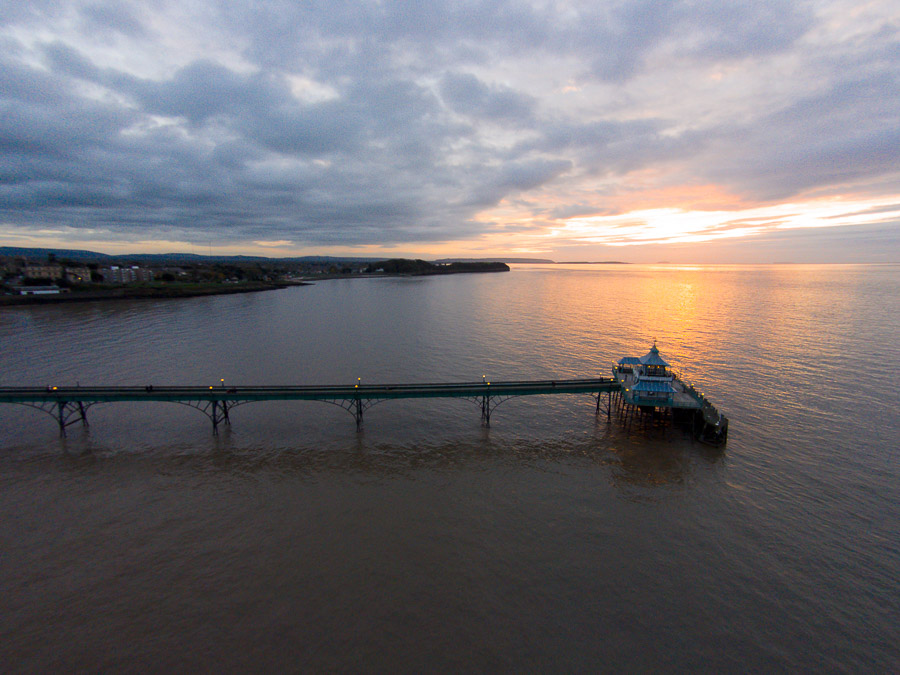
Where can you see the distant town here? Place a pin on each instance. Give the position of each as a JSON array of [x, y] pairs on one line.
[[30, 275]]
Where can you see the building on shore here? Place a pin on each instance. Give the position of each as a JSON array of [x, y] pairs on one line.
[[39, 290], [43, 271], [126, 275], [78, 275]]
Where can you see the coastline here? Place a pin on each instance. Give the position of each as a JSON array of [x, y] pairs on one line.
[[142, 292], [198, 290]]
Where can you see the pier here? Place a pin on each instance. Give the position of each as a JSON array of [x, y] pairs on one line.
[[69, 405], [639, 386]]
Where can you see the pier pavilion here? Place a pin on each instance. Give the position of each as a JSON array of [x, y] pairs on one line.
[[648, 385]]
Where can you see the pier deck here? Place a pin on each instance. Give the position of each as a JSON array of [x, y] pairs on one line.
[[69, 404], [305, 393]]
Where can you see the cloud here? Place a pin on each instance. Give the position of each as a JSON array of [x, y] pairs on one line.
[[845, 135], [115, 17], [329, 124], [740, 29], [467, 95]]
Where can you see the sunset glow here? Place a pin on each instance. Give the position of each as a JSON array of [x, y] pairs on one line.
[[663, 226]]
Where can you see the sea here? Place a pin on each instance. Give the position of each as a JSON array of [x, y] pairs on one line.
[[555, 540]]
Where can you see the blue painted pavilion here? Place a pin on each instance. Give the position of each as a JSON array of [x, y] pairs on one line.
[[646, 380]]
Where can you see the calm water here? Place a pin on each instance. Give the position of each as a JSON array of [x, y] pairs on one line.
[[551, 542]]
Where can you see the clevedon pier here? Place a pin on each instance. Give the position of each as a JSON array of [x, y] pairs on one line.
[[640, 389]]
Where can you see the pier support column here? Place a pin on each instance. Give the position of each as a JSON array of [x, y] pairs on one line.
[[609, 404], [358, 413], [61, 418], [215, 417], [486, 410], [66, 409]]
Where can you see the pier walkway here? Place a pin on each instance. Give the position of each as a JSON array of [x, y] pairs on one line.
[[69, 405]]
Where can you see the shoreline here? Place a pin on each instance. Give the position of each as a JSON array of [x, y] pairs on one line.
[[140, 293], [198, 290]]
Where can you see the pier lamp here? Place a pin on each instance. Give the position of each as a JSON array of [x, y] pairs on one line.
[[484, 379], [222, 381]]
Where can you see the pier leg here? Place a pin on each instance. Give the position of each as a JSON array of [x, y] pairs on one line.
[[358, 413], [61, 418], [225, 417], [84, 421], [215, 417], [486, 410]]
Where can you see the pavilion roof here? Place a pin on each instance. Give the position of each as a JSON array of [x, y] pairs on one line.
[[652, 358]]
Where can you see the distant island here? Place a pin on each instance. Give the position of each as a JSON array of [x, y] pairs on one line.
[[422, 267], [514, 261], [38, 276]]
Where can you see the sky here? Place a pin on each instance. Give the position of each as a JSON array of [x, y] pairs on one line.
[[634, 130]]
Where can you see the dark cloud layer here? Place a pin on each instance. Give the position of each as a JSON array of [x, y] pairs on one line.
[[397, 123]]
